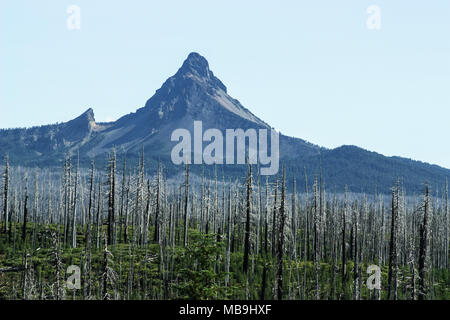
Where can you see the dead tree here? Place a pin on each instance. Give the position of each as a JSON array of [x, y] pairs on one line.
[[356, 252], [122, 197], [58, 289], [25, 212], [393, 268], [111, 197], [446, 220], [274, 219], [281, 237], [227, 261], [294, 220], [423, 247], [344, 256], [316, 238], [74, 207], [158, 205], [186, 202], [109, 275], [5, 195], [91, 198], [247, 220]]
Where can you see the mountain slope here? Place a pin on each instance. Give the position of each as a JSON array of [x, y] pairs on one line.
[[195, 93]]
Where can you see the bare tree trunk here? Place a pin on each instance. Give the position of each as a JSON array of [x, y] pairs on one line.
[[316, 240], [111, 197], [229, 226], [344, 254], [281, 237], [446, 221], [125, 232], [74, 208], [266, 223], [158, 195], [294, 220], [247, 220], [423, 247], [274, 219], [413, 268], [122, 198], [89, 213], [392, 276], [99, 214], [186, 202], [307, 252], [5, 195], [356, 255], [25, 212]]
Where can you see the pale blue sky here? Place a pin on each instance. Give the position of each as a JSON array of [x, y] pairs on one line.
[[311, 69]]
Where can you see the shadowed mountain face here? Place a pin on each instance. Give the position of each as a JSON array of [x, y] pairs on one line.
[[194, 93]]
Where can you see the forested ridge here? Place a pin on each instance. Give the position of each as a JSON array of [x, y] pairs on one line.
[[135, 235]]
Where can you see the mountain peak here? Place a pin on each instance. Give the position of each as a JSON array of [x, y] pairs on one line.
[[197, 64], [88, 115], [85, 119]]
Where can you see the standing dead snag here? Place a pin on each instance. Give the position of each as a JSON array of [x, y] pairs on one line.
[[67, 196], [412, 259], [335, 244], [88, 241], [247, 220], [122, 197], [147, 214], [186, 202], [266, 222], [393, 268], [58, 289], [157, 211], [258, 224], [74, 207], [356, 252], [227, 261], [281, 237], [91, 198], [25, 212], [98, 214], [5, 195], [111, 197], [316, 238], [127, 201], [446, 248], [274, 219], [294, 219], [344, 256], [423, 247], [28, 283], [109, 275], [307, 250]]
